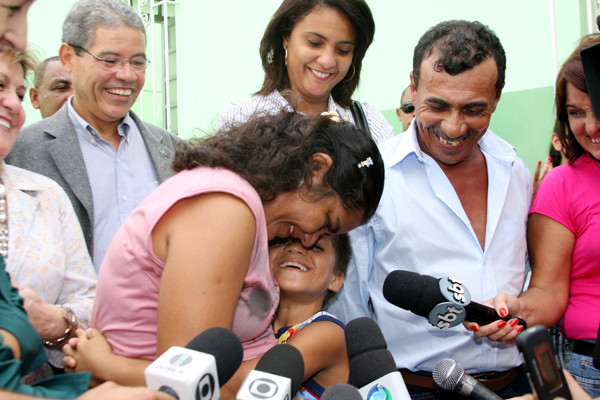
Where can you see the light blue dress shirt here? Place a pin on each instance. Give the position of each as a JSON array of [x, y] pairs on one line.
[[120, 179], [421, 226]]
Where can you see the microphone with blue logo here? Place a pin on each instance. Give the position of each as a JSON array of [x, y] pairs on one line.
[[277, 376], [372, 366], [198, 370]]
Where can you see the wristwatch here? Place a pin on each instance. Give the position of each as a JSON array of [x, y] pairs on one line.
[[71, 320]]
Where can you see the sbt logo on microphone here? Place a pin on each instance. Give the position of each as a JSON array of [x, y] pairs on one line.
[[378, 392], [452, 312]]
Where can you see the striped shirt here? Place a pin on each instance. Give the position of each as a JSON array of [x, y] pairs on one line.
[[273, 103]]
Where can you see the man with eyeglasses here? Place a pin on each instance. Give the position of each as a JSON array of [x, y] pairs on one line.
[[406, 111], [95, 147]]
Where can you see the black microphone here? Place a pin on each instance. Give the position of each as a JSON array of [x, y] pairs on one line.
[[371, 364], [277, 376], [341, 391], [450, 375], [197, 370], [445, 302]]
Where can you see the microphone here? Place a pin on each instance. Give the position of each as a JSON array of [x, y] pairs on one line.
[[371, 364], [196, 371], [444, 302], [450, 375], [341, 391], [277, 376]]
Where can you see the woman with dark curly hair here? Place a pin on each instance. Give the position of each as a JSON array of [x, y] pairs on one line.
[[314, 49], [193, 255]]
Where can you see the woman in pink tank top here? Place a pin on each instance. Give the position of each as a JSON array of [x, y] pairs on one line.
[[194, 254]]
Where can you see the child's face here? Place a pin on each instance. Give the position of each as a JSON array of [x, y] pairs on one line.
[[307, 272]]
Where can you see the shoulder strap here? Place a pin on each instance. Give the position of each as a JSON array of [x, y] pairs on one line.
[[359, 116]]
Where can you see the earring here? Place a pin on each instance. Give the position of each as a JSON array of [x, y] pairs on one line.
[[353, 72], [285, 58]]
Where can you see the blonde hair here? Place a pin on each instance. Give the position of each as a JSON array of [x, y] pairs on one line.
[[25, 58]]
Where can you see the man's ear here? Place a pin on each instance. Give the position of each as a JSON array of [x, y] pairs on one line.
[[34, 96], [66, 53], [322, 162], [336, 284]]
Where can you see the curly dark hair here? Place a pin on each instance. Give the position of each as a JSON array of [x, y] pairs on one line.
[[571, 72], [274, 154], [289, 13], [461, 45]]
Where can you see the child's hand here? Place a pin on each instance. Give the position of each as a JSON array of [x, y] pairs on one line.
[[89, 351]]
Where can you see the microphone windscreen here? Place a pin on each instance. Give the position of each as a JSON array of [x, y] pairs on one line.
[[341, 391], [283, 360], [224, 345], [447, 373], [412, 291], [363, 335], [367, 351]]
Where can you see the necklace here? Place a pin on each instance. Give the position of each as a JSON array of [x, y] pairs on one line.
[[3, 222]]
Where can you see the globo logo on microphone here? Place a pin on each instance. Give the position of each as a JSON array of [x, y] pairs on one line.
[[379, 392], [263, 388], [451, 313], [206, 387]]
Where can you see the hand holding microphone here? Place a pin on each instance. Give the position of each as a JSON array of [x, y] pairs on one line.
[[445, 302]]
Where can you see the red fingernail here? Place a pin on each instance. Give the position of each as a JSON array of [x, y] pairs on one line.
[[503, 312], [520, 328], [549, 158], [539, 163], [513, 322], [474, 328], [501, 324]]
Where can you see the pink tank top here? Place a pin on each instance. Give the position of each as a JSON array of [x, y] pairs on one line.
[[125, 309]]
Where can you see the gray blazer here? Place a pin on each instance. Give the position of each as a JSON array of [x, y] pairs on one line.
[[50, 147]]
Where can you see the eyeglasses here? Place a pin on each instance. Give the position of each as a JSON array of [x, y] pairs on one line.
[[114, 63], [407, 107]]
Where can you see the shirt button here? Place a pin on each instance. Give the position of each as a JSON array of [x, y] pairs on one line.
[[125, 198]]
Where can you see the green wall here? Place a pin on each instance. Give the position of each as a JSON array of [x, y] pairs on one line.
[[218, 62]]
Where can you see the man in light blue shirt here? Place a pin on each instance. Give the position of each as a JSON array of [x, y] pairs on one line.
[[455, 204], [95, 147]]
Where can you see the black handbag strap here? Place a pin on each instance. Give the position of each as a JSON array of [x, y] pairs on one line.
[[358, 114]]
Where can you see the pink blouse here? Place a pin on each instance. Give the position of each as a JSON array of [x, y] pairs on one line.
[[127, 294]]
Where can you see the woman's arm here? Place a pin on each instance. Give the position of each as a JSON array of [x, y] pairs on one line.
[[550, 246], [206, 243]]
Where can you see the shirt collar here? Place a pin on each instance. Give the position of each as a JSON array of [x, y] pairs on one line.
[[123, 128], [406, 144]]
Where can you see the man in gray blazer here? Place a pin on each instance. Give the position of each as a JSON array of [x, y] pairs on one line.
[[95, 147]]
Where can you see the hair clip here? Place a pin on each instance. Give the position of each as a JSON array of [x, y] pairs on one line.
[[366, 163], [332, 115]]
